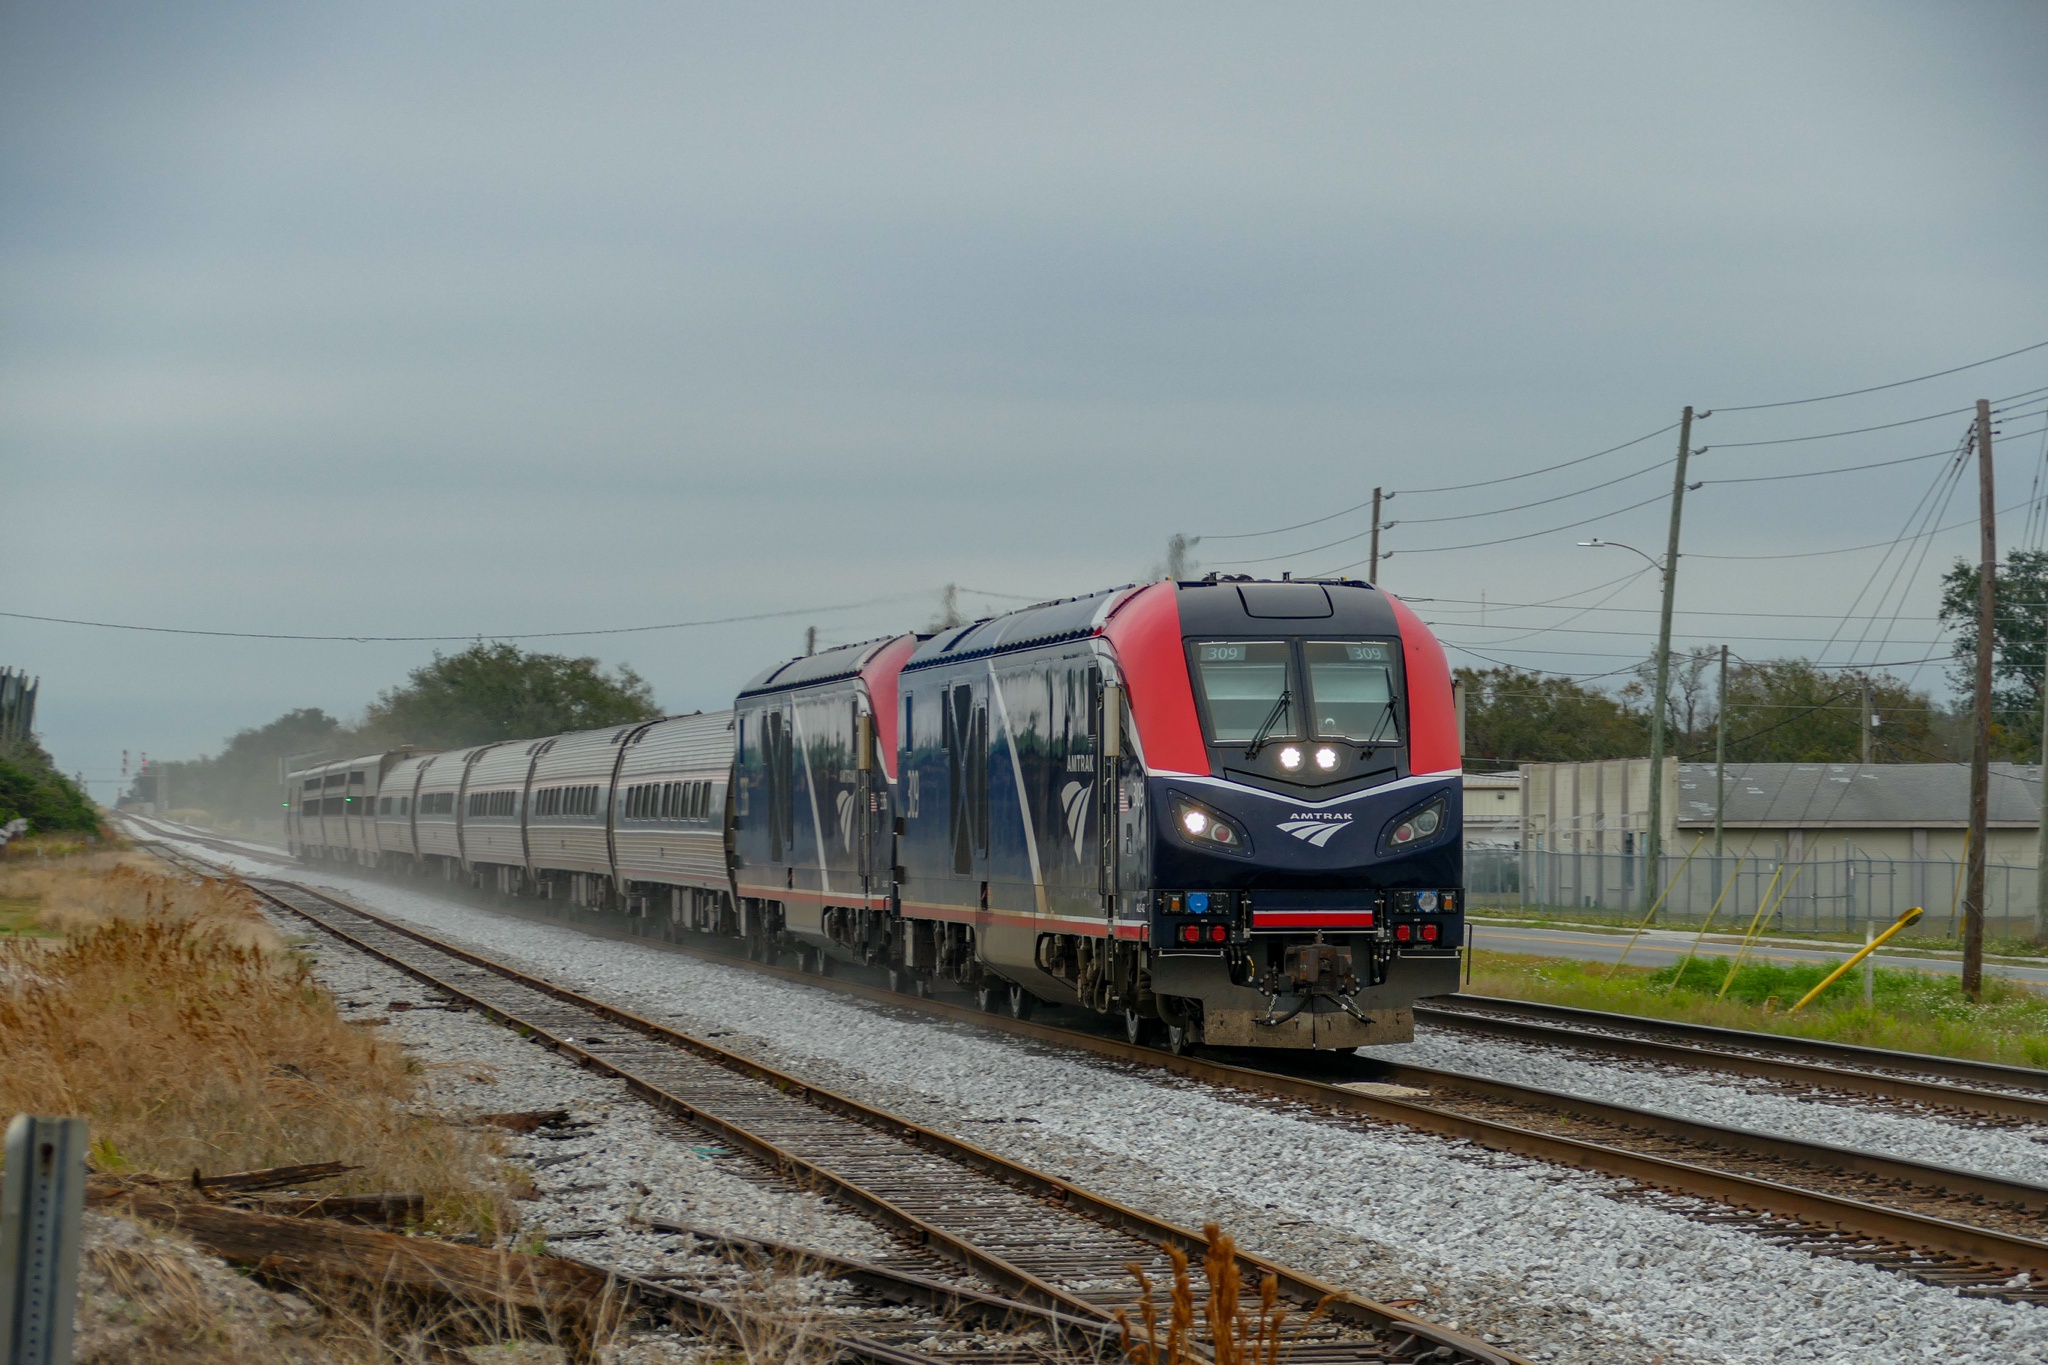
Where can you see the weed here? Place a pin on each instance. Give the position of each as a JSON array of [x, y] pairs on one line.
[[1229, 1333]]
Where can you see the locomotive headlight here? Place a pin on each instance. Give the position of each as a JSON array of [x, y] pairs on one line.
[[1206, 828], [1290, 758], [1417, 827], [1326, 758]]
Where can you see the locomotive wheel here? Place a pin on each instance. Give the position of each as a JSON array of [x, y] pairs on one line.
[[989, 998], [1021, 1002], [1137, 1028], [902, 981], [1179, 1041]]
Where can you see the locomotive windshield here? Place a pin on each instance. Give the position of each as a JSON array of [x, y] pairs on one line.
[[1252, 692], [1351, 690], [1248, 688]]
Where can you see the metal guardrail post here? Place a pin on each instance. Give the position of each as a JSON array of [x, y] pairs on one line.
[[42, 1200]]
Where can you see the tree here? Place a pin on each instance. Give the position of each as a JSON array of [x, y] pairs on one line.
[[2019, 630], [1512, 716], [499, 691], [31, 788], [1794, 711]]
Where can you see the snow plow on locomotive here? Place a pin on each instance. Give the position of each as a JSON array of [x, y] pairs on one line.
[[1224, 812]]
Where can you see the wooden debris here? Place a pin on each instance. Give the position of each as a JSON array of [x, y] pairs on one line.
[[571, 1300], [270, 1178], [372, 1210], [527, 1120]]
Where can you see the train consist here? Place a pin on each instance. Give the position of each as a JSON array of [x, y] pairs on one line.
[[1225, 811]]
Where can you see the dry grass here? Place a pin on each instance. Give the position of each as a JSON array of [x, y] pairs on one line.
[[172, 1017], [1228, 1333]]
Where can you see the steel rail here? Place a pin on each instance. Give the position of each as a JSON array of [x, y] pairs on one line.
[[1815, 1208], [1936, 1094], [1340, 1304], [1845, 1054]]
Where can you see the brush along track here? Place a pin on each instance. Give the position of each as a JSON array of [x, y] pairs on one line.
[[1042, 1241], [1957, 1229], [1981, 1091]]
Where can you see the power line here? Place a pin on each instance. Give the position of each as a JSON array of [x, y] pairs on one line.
[[477, 635], [1846, 549], [1504, 540], [1878, 388]]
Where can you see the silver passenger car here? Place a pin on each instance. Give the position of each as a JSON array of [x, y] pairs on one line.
[[436, 824], [567, 826], [669, 821]]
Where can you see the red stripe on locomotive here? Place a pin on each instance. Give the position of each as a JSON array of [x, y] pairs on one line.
[[1144, 630], [882, 674], [1432, 712]]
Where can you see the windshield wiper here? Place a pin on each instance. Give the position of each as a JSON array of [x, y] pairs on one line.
[[1272, 720], [1375, 742]]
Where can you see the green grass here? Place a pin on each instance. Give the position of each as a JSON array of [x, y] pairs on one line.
[[1996, 945], [1910, 1011]]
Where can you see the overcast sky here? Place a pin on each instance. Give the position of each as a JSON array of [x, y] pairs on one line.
[[456, 319]]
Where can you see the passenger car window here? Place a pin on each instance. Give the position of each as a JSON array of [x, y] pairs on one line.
[[1244, 682], [1351, 690]]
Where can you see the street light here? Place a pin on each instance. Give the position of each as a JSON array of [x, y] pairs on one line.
[[1599, 544], [1653, 837]]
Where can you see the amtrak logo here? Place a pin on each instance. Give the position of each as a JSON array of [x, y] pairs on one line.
[[1314, 829], [1074, 805]]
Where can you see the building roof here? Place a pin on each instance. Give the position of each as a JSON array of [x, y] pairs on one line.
[[1856, 795]]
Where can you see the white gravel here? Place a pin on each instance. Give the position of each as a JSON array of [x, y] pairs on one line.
[[1538, 1256], [2017, 1153], [628, 1165]]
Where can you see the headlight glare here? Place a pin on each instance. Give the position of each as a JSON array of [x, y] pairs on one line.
[[1207, 828]]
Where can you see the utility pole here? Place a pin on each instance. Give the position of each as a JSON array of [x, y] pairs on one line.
[[1867, 718], [1720, 760], [1654, 846], [1980, 747], [1372, 571], [810, 641], [2041, 840]]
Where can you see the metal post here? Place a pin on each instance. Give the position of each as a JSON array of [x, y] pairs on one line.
[[1372, 571], [1654, 848], [1869, 964], [2041, 837], [1721, 756], [42, 1200], [1869, 700], [1980, 747]]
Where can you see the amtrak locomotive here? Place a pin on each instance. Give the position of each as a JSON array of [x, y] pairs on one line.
[[1226, 812]]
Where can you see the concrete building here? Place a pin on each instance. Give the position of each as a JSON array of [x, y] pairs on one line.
[[1789, 811], [1493, 810], [1832, 845]]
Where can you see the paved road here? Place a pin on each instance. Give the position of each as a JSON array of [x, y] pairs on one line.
[[1660, 947]]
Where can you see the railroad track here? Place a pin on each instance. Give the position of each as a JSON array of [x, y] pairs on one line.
[[1980, 1090], [1979, 1235], [1051, 1250]]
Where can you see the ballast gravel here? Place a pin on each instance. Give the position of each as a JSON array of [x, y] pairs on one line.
[[618, 1164], [2015, 1153], [1557, 1263]]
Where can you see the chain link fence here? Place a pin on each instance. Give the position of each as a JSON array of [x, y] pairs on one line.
[[1834, 895]]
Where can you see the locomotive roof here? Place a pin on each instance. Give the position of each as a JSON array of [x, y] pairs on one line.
[[1212, 606], [829, 665], [1070, 618], [1241, 606]]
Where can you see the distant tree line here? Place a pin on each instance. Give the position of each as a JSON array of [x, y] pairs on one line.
[[484, 693], [1779, 711]]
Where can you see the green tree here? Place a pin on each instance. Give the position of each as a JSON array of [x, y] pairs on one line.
[[1793, 711], [31, 788], [499, 691], [1512, 716], [2019, 630]]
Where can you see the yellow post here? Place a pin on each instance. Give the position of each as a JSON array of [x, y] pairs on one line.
[[1654, 905], [1697, 938], [1866, 951], [1756, 929]]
